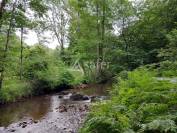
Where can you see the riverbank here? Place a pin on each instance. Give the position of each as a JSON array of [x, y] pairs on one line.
[[46, 113]]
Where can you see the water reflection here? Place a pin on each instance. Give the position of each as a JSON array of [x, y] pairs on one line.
[[95, 90], [34, 108], [39, 107]]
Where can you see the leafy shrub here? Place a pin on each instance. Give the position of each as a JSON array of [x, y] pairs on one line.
[[45, 71], [140, 103], [123, 74], [162, 126], [102, 125], [168, 69], [66, 78], [78, 76], [13, 89]]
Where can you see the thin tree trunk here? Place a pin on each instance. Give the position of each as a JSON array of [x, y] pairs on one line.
[[98, 68], [78, 22], [2, 6], [103, 33], [125, 40], [101, 44], [21, 55], [7, 44], [62, 36]]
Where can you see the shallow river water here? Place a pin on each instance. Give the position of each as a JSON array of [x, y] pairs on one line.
[[49, 113]]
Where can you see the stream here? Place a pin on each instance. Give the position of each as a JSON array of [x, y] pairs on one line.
[[55, 113]]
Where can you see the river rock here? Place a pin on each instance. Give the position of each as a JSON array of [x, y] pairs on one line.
[[60, 96], [85, 98], [62, 109], [12, 130], [23, 124], [67, 97], [78, 97], [35, 121], [98, 98]]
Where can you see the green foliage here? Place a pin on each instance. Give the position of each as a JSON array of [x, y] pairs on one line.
[[78, 76], [106, 118], [168, 69], [38, 6], [14, 89], [140, 102], [167, 126], [102, 125], [43, 71], [146, 34], [46, 70]]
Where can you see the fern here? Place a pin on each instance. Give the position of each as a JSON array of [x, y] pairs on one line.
[[159, 126]]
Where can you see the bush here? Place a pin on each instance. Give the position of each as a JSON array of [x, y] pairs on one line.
[[140, 103], [14, 89], [77, 75], [66, 78], [167, 126], [123, 74], [52, 79], [168, 69], [101, 125], [45, 70]]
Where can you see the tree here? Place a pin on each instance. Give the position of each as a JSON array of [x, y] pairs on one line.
[[7, 43], [2, 10], [56, 21], [15, 19]]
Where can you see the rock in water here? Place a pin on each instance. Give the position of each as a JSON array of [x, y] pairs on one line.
[[85, 98], [60, 96], [76, 97]]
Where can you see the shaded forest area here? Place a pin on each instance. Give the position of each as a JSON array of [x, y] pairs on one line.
[[132, 42]]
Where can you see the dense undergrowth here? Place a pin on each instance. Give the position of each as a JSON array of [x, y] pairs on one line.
[[48, 82], [42, 72], [140, 103]]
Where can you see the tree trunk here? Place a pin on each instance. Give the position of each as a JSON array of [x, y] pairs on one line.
[[7, 44], [103, 33], [21, 55], [78, 13], [125, 40], [2, 5], [62, 36], [100, 44], [98, 66]]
